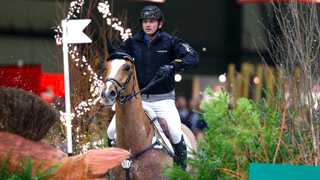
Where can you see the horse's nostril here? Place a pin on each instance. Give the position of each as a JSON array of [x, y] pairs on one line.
[[103, 94], [112, 94]]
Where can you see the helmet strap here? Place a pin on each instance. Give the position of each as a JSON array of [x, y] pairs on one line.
[[156, 30]]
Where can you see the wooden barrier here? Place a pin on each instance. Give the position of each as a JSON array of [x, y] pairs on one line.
[[231, 79], [242, 83]]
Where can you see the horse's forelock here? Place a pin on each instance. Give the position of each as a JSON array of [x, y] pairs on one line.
[[115, 66]]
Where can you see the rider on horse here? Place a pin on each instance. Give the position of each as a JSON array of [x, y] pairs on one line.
[[156, 52]]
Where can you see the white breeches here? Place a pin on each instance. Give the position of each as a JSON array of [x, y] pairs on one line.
[[165, 109]]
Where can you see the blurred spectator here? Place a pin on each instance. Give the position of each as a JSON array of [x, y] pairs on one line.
[[198, 124], [201, 126], [193, 115], [181, 104]]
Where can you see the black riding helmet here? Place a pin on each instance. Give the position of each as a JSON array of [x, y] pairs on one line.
[[151, 12]]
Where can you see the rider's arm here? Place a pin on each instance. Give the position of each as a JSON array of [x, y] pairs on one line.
[[186, 56]]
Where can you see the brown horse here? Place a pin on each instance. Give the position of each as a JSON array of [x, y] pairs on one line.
[[133, 127]]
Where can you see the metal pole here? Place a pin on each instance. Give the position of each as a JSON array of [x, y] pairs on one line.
[[67, 85]]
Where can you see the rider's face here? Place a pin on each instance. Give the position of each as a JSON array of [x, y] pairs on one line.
[[150, 26]]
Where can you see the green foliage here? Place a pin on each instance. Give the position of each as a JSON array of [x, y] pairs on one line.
[[175, 172], [4, 166], [232, 132], [26, 170], [246, 133]]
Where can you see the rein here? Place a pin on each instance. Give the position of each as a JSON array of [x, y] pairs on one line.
[[123, 87], [94, 115], [152, 82], [126, 164]]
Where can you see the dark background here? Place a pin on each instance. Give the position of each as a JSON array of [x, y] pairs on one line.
[[229, 31]]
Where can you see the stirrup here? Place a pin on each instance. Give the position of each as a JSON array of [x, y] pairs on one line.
[[111, 143]]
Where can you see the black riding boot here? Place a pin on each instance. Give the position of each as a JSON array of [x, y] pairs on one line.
[[109, 145], [180, 155], [109, 142]]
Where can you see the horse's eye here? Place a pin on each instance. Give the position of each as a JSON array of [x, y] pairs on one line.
[[127, 68]]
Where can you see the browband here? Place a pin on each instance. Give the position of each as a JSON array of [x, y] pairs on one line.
[[120, 55]]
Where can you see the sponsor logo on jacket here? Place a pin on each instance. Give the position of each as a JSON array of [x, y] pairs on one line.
[[188, 48], [162, 51]]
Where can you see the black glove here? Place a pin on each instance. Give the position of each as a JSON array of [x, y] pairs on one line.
[[166, 69]]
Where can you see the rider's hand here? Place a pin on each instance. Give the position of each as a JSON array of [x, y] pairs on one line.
[[166, 69]]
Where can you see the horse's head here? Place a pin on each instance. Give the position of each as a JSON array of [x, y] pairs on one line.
[[119, 83]]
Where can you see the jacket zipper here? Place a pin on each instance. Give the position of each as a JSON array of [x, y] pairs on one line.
[[149, 45]]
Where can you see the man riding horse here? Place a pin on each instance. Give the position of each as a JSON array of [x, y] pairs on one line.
[[156, 52]]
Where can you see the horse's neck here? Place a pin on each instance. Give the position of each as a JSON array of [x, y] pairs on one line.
[[132, 125]]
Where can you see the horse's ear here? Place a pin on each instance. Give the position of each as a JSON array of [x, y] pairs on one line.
[[110, 47]]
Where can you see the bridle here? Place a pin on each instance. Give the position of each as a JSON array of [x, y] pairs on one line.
[[120, 55], [120, 96], [113, 56]]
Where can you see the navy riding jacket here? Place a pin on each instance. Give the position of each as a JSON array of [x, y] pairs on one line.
[[163, 50]]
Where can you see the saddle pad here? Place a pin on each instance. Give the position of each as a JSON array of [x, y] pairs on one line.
[[151, 114], [188, 144]]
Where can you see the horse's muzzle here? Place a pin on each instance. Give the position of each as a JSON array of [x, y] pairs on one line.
[[109, 97], [112, 94]]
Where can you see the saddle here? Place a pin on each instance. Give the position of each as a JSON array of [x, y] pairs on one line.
[[164, 126], [160, 125]]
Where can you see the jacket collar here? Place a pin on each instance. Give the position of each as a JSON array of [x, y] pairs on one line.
[[140, 35]]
